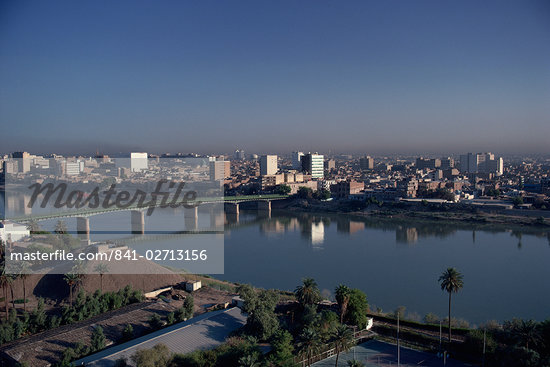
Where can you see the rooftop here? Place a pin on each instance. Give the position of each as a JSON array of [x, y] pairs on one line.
[[206, 331]]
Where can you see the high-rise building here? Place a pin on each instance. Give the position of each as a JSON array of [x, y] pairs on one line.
[[447, 163], [72, 168], [297, 160], [138, 162], [314, 165], [330, 165], [481, 162], [219, 170], [268, 164], [23, 161], [422, 163], [239, 155], [366, 163], [495, 166]]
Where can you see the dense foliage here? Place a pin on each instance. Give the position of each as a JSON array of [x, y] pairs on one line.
[[84, 307]]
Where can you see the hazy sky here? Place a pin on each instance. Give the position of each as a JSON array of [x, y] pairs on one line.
[[274, 76]]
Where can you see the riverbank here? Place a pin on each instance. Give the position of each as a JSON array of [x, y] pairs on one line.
[[453, 213]]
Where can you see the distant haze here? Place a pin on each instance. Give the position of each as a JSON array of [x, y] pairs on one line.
[[275, 76]]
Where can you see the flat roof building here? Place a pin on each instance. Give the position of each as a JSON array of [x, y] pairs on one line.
[[268, 164]]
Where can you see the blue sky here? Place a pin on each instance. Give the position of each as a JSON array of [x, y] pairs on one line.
[[275, 76]]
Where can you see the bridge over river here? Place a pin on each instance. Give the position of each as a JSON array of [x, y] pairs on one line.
[[231, 207]]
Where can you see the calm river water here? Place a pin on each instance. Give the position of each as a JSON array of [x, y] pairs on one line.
[[506, 273]]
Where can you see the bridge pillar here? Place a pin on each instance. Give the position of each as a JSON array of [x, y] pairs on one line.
[[83, 228], [232, 208], [264, 208], [191, 217], [138, 222]]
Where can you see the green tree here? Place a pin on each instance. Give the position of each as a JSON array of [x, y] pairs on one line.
[[188, 306], [527, 332], [101, 268], [32, 226], [309, 344], [23, 272], [322, 194], [170, 318], [60, 228], [158, 356], [4, 281], [518, 200], [342, 341], [250, 360], [357, 309], [72, 280], [308, 293], [305, 192], [128, 332], [451, 281], [282, 348], [355, 363], [283, 189], [261, 320], [98, 339], [343, 294], [155, 322]]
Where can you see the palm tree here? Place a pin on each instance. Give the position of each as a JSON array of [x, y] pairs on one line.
[[451, 281], [309, 344], [60, 227], [101, 268], [4, 282], [343, 340], [72, 280], [527, 332], [11, 279], [308, 293], [342, 297], [32, 226], [23, 275], [250, 360]]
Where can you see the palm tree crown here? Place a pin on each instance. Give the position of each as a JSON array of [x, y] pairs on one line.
[[308, 293], [451, 280]]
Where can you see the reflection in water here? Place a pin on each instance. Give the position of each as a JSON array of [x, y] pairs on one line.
[[408, 235], [17, 206], [313, 227], [361, 253], [317, 235]]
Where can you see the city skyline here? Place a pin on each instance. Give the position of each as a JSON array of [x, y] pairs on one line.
[[273, 77]]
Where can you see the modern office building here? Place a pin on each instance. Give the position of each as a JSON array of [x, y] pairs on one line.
[[138, 162], [481, 163], [135, 162], [239, 155], [23, 161], [422, 163], [447, 163], [314, 165], [219, 170], [366, 163], [73, 168], [297, 160], [330, 165], [268, 164]]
